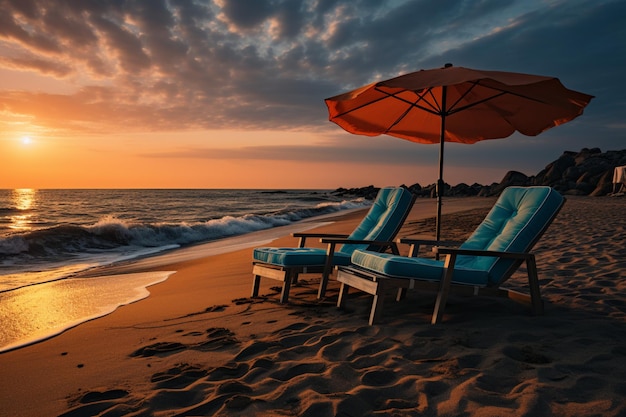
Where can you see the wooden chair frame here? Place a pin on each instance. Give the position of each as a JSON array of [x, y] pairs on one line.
[[289, 275], [379, 285]]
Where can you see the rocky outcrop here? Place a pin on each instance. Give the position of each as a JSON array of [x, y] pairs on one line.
[[368, 192], [588, 172]]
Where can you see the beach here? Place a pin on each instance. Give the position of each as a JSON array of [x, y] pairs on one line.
[[198, 345]]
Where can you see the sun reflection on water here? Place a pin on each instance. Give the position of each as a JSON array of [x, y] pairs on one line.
[[23, 199]]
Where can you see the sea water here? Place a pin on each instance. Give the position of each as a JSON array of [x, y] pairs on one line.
[[48, 236]]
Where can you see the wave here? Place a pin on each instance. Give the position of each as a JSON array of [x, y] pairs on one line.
[[111, 233]]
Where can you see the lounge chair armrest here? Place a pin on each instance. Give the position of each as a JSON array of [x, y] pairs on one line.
[[383, 244], [475, 252], [304, 235], [416, 243]]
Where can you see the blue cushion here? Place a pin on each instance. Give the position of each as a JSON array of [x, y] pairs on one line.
[[298, 256], [513, 225], [417, 268], [382, 223], [384, 219]]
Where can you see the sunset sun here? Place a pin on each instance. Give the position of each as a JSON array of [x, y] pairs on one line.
[[26, 140]]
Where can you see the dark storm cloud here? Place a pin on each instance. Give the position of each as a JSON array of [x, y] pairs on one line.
[[246, 14], [268, 64]]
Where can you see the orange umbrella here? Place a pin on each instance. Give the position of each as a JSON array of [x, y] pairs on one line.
[[456, 104]]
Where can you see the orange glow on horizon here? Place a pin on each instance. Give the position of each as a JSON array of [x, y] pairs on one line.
[[192, 160]]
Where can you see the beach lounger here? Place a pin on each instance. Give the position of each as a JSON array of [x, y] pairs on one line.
[[494, 251], [375, 232]]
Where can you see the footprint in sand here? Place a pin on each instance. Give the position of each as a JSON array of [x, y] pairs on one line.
[[290, 372], [234, 387], [380, 377], [194, 333], [221, 373], [526, 354], [96, 396], [159, 349], [96, 402], [178, 377], [218, 338]]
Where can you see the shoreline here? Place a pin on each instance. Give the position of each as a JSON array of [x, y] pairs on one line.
[[198, 345], [75, 301], [72, 288]]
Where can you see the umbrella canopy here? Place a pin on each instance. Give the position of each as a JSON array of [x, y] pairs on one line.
[[456, 104]]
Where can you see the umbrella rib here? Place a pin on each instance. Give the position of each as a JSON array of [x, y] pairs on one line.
[[359, 107], [420, 97], [439, 109], [500, 91], [432, 109], [451, 111], [476, 103], [503, 91], [408, 109]]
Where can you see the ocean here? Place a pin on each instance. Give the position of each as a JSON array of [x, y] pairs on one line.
[[48, 236]]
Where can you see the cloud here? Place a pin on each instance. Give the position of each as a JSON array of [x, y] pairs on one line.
[[244, 14], [36, 64], [356, 151], [268, 64]]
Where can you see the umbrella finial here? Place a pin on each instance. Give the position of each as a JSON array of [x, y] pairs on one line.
[[448, 65]]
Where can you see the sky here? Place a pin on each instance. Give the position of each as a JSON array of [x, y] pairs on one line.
[[230, 93]]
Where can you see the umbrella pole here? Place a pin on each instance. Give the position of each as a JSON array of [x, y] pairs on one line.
[[440, 183]]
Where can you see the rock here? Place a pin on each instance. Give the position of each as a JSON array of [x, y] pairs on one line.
[[588, 172], [604, 185], [464, 190], [511, 178], [368, 192], [554, 171]]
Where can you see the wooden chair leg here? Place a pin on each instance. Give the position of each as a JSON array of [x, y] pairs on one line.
[[401, 294], [343, 294], [323, 284], [256, 281], [284, 295], [444, 289], [533, 284], [377, 307], [328, 269]]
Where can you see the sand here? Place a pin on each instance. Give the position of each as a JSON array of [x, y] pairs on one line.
[[199, 346]]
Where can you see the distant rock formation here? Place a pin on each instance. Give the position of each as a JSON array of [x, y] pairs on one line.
[[368, 192], [588, 172]]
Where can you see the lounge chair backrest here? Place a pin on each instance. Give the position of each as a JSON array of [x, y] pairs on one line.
[[384, 219], [514, 224]]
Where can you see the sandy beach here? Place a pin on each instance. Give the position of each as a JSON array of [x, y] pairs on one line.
[[198, 345]]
